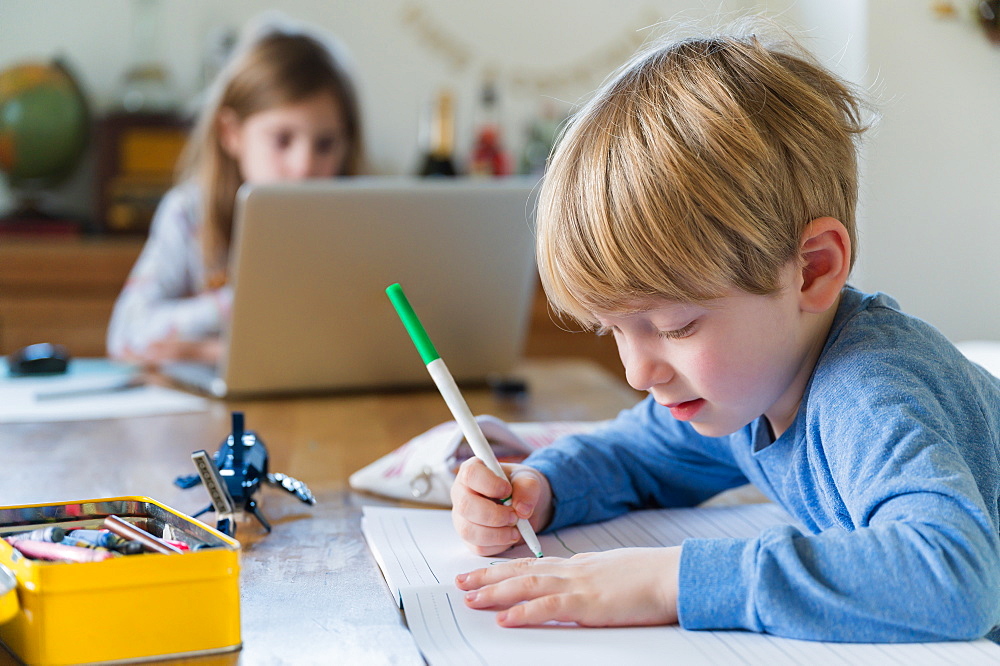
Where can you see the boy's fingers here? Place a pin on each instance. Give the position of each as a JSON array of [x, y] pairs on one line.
[[485, 541], [524, 567], [474, 474], [528, 600], [513, 591], [482, 511], [536, 612], [526, 490]]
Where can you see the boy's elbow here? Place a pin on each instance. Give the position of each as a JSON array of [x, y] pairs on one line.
[[974, 612], [951, 594], [971, 608]]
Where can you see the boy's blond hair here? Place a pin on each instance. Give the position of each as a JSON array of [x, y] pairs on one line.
[[694, 170]]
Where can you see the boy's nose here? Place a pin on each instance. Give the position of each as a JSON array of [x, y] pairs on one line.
[[644, 369]]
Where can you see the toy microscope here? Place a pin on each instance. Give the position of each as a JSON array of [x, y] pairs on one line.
[[234, 477]]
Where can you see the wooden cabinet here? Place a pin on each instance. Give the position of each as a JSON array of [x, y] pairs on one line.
[[547, 338], [61, 290], [137, 154]]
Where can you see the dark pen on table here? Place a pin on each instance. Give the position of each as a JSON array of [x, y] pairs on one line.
[[87, 391]]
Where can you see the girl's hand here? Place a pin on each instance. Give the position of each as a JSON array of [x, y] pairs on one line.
[[207, 351], [487, 526], [623, 587]]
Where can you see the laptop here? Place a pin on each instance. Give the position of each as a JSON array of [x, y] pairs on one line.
[[310, 264]]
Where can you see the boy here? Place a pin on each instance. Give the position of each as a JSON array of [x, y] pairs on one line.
[[701, 209]]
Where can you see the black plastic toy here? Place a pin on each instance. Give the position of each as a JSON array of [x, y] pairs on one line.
[[235, 476]]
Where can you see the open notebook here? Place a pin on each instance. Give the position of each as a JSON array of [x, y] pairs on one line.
[[311, 262], [420, 554]]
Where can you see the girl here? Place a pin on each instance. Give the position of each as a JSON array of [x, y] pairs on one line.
[[283, 109]]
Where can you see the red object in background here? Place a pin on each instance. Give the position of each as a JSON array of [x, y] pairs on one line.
[[488, 155]]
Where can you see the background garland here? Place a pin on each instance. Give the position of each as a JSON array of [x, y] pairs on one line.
[[461, 56]]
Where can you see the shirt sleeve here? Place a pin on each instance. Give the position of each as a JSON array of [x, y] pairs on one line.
[[846, 586], [164, 294], [907, 546], [644, 458]]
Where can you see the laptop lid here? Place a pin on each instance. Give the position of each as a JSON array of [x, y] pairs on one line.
[[311, 262]]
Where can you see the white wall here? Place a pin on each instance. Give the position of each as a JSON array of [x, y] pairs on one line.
[[929, 214], [404, 50], [932, 228], [837, 34]]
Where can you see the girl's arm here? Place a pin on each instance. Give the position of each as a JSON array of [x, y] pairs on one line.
[[163, 304]]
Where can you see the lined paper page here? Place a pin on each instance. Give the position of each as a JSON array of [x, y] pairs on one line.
[[447, 632], [420, 547], [420, 554]]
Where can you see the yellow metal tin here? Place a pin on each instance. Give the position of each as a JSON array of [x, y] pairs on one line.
[[8, 594], [127, 608]]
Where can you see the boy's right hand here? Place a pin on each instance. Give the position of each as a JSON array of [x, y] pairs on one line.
[[487, 526]]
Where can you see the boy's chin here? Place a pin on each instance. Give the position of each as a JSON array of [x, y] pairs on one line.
[[713, 429]]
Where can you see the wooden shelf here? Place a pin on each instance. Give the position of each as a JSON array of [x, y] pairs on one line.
[[61, 290], [549, 339]]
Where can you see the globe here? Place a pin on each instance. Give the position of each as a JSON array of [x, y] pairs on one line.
[[44, 124]]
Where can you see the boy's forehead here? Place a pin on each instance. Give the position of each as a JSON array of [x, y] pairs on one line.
[[637, 306]]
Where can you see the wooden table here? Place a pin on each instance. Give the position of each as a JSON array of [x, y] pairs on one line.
[[311, 592]]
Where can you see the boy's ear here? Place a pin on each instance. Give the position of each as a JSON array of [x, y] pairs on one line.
[[825, 260], [227, 124]]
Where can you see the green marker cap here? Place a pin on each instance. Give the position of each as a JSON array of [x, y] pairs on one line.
[[413, 326]]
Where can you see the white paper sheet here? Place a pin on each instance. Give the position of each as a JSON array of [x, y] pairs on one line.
[[420, 554]]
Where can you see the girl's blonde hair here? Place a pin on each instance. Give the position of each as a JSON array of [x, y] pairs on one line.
[[276, 69], [694, 170]]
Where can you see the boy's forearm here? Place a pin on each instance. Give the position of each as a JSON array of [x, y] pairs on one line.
[[638, 461], [888, 583]]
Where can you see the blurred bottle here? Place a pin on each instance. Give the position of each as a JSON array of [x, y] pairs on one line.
[[147, 86], [439, 138], [541, 138], [488, 155]]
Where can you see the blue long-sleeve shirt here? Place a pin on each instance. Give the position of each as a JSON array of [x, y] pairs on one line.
[[892, 465]]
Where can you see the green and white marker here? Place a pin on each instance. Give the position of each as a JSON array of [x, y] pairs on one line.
[[453, 397]]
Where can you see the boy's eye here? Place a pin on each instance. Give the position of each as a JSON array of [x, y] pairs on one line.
[[677, 333], [283, 139]]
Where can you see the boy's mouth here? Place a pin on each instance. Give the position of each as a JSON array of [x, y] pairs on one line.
[[685, 411]]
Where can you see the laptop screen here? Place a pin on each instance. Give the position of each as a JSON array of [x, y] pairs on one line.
[[311, 262]]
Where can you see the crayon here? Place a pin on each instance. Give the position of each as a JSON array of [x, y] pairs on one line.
[[52, 534], [47, 550], [149, 542], [102, 539]]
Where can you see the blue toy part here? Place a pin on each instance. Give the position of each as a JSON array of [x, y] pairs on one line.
[[242, 466]]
